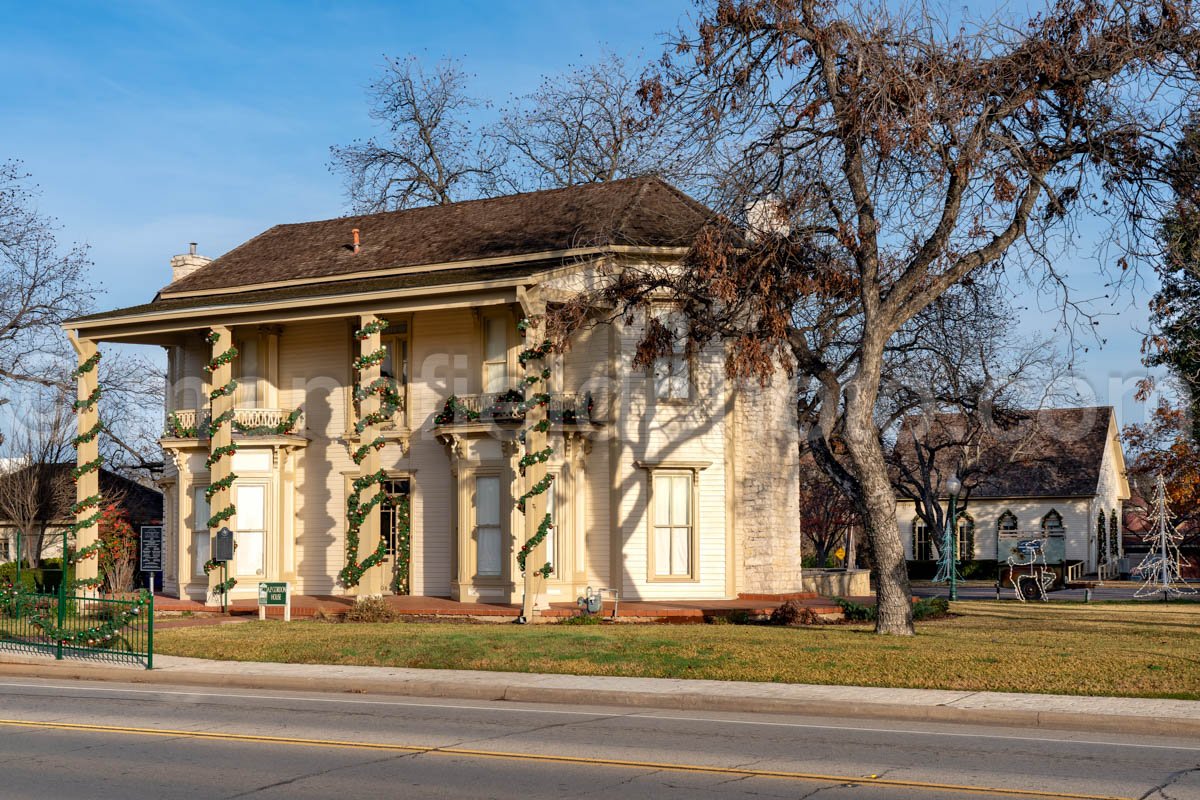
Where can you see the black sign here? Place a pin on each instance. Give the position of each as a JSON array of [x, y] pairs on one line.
[[223, 547], [150, 549]]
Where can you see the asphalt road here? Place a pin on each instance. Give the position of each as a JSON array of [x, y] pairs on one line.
[[64, 739]]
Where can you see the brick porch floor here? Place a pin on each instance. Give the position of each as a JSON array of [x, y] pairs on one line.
[[629, 610]]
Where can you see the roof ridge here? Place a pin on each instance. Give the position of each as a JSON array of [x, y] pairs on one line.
[[590, 185]]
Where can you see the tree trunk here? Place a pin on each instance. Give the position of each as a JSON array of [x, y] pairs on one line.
[[893, 595]]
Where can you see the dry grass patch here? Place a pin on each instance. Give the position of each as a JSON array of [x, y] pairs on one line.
[[1138, 650]]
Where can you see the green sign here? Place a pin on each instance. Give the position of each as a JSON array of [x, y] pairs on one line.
[[272, 594]]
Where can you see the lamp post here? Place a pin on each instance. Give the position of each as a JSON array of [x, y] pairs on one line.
[[953, 486]]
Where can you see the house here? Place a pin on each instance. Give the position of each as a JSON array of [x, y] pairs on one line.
[[1053, 474], [37, 500], [669, 482]]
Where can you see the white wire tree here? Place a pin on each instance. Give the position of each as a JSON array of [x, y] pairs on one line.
[[1160, 569]]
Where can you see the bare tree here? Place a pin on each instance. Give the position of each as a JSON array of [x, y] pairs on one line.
[[827, 520], [959, 387], [36, 490], [41, 284], [586, 125], [898, 160], [431, 151]]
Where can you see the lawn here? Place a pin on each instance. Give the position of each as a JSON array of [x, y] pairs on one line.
[[1127, 649]]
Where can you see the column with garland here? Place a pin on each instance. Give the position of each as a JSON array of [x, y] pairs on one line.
[[87, 469], [220, 453], [379, 401], [537, 451]]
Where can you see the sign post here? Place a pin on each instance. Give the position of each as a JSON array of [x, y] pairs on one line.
[[223, 548], [150, 552], [275, 593]]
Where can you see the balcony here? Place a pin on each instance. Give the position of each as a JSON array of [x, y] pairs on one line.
[[565, 408], [193, 423]]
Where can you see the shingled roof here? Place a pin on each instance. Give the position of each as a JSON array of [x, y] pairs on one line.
[[1051, 452], [636, 211]]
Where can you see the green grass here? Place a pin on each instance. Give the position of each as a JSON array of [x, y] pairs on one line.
[[1133, 649]]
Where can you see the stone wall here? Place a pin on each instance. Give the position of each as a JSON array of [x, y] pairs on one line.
[[767, 461]]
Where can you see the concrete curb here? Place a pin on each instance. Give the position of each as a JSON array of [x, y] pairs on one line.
[[506, 690]]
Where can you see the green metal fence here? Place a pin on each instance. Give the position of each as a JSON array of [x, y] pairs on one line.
[[69, 624]]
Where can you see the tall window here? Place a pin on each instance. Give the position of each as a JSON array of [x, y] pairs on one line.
[[672, 377], [392, 513], [922, 545], [248, 373], [1007, 522], [673, 525], [200, 534], [552, 535], [5, 549], [251, 502], [488, 540], [495, 354]]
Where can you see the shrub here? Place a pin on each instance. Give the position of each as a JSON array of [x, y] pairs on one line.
[[582, 619], [931, 608], [370, 609], [855, 612]]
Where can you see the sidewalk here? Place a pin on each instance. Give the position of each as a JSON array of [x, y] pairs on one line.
[[1062, 712]]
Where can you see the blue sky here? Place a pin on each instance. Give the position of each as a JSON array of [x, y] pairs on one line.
[[151, 124]]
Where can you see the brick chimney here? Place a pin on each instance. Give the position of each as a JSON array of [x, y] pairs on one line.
[[184, 265]]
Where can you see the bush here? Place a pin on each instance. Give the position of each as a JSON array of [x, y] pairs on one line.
[[582, 619], [931, 608], [370, 609], [924, 609], [855, 612], [44, 579]]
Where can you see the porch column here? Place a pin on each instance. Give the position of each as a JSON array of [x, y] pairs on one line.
[[87, 486], [372, 582], [220, 440], [535, 441]]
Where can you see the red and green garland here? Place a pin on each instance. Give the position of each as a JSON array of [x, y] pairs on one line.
[[74, 556], [225, 418], [358, 511], [535, 398]]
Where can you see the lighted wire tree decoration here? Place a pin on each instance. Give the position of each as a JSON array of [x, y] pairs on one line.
[[948, 549], [1160, 569]]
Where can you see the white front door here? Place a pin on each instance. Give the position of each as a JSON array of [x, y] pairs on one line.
[[251, 502]]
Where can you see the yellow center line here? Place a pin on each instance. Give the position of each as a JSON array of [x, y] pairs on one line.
[[559, 759]]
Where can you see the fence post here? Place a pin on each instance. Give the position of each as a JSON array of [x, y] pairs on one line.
[[62, 600]]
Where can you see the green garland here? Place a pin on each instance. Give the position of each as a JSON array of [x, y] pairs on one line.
[[400, 575], [218, 453], [223, 391], [89, 401], [357, 512], [88, 435], [225, 451], [530, 458], [86, 366], [104, 633], [453, 410], [83, 469]]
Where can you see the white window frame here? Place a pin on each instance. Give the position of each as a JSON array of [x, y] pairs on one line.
[[692, 528], [503, 361], [201, 510], [672, 374], [239, 531], [498, 526]]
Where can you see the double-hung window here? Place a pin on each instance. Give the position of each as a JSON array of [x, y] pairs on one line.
[[495, 353], [489, 540], [200, 534], [673, 526], [672, 373]]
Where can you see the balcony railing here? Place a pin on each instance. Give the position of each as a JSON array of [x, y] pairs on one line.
[[565, 408], [193, 423]]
